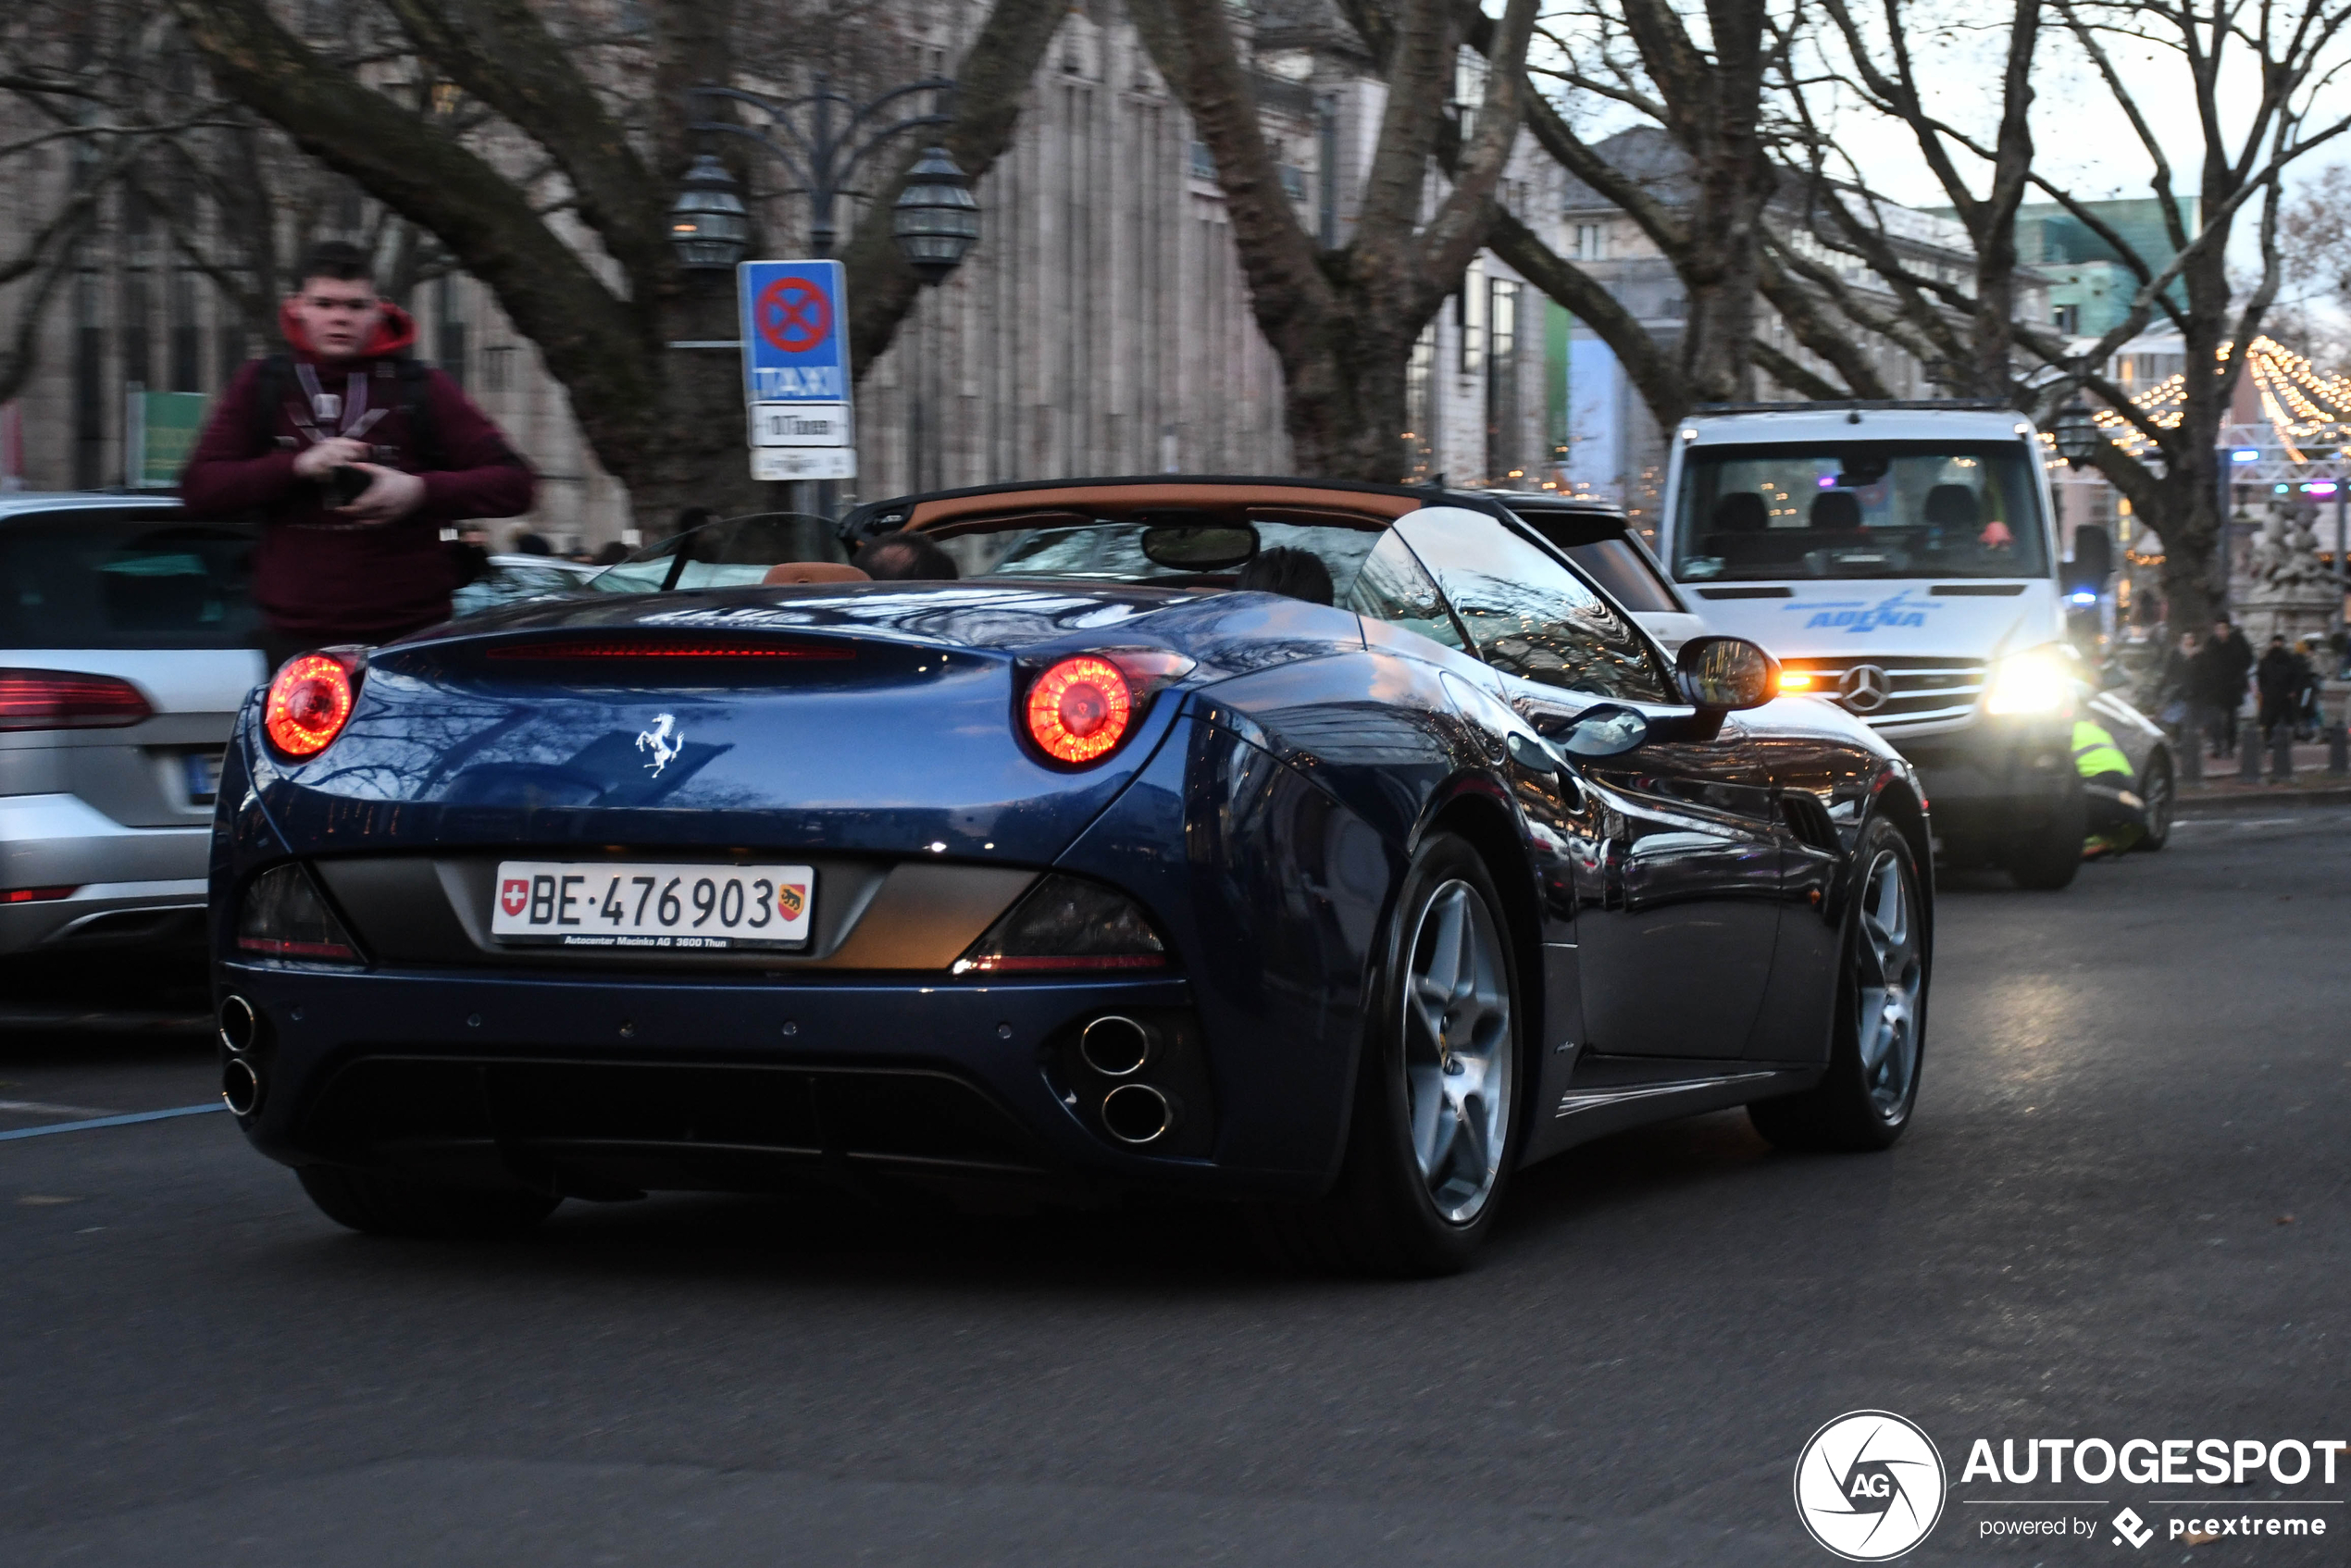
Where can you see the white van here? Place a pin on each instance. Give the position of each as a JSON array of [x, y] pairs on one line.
[[1900, 560]]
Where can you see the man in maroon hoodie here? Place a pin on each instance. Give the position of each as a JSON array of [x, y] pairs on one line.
[[353, 456]]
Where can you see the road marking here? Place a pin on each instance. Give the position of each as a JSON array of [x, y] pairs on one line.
[[112, 1121], [53, 1110]]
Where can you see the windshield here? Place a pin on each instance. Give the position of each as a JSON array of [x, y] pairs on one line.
[[738, 551], [1860, 509]]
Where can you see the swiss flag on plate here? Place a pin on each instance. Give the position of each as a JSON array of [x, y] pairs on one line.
[[513, 894]]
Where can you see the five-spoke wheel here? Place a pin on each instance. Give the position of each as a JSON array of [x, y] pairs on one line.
[[1457, 1048]]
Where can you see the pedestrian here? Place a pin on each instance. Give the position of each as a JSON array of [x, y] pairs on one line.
[[2279, 678], [2114, 816], [2229, 660], [353, 456], [531, 541], [2175, 694]]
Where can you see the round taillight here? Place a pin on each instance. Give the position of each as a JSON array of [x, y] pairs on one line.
[[1079, 710], [308, 703]]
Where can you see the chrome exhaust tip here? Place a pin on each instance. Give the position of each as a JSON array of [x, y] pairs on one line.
[[1138, 1114], [1117, 1046], [240, 1024], [241, 1087]]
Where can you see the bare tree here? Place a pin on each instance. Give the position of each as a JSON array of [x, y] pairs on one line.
[[2283, 54], [1343, 322], [1711, 221], [538, 146]]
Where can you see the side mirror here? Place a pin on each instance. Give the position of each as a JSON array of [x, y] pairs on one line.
[[1604, 729], [1727, 673], [2092, 561]]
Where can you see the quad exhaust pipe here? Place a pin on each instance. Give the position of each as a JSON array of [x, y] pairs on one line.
[[1138, 1114], [240, 1086], [1116, 1046]]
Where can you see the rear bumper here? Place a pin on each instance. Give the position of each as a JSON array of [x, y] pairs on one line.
[[1995, 782], [600, 1087], [134, 886]]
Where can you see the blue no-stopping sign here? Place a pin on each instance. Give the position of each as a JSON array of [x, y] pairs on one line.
[[795, 331]]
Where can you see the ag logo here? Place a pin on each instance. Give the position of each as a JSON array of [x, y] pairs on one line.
[[513, 894], [1868, 1486]]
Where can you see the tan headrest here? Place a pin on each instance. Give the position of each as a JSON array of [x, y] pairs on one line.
[[813, 571]]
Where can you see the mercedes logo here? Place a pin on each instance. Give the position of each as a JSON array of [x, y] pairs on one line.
[[1864, 688]]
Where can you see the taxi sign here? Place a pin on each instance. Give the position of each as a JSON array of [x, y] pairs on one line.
[[796, 384]]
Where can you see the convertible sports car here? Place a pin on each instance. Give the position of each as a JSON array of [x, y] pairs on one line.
[[1103, 869]]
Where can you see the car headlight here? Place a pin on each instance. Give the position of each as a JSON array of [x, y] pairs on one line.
[[2038, 681]]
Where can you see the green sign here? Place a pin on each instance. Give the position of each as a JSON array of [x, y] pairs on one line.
[[161, 432]]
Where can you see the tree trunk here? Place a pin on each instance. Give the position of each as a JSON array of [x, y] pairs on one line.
[[667, 422]]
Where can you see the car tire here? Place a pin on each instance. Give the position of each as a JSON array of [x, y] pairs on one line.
[[2049, 858], [2161, 793], [1417, 1193], [1865, 1101], [382, 1205]]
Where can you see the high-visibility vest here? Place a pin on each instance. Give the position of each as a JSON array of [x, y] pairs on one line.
[[2096, 753]]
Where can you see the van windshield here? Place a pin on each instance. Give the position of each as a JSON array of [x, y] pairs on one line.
[[1860, 509]]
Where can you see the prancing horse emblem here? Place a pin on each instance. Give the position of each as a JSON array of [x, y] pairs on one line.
[[663, 740], [1865, 688]]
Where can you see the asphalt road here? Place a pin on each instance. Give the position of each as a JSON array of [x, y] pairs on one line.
[[2119, 1213]]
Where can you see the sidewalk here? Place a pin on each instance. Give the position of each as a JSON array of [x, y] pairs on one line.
[[2311, 785]]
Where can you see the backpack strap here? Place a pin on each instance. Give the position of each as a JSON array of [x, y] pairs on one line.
[[416, 407], [270, 390]]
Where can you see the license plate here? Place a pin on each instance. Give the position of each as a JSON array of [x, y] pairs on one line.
[[204, 776], [657, 908]]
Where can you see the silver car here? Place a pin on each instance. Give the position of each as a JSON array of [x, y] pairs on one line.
[[128, 641]]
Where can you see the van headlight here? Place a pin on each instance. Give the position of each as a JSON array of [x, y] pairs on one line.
[[2038, 681]]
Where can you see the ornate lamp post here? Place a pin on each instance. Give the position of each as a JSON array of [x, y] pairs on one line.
[[2078, 436], [822, 138], [708, 226], [935, 219]]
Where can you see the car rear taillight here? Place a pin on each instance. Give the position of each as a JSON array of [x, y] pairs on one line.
[[309, 701], [1081, 707], [282, 916], [37, 895], [1068, 923], [52, 698]]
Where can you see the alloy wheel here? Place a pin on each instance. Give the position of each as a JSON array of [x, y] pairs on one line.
[[1458, 1042], [1892, 974]]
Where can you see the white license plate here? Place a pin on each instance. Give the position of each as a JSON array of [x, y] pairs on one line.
[[658, 908]]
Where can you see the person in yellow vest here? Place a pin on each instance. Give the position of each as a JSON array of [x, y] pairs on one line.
[[2114, 814]]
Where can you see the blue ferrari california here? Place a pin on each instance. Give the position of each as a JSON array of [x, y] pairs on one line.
[[1332, 849]]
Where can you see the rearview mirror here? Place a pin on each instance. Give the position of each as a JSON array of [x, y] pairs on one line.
[[1603, 730], [1199, 547], [1727, 673]]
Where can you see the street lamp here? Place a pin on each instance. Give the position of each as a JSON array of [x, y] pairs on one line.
[[936, 219], [2078, 436], [708, 226]]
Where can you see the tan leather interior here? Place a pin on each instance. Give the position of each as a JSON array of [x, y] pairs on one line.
[[813, 571], [1276, 502]]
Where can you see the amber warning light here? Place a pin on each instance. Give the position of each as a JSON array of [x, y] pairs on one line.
[[1795, 680], [308, 704]]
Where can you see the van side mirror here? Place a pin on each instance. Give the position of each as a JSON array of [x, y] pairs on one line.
[[1725, 674], [2093, 560]]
